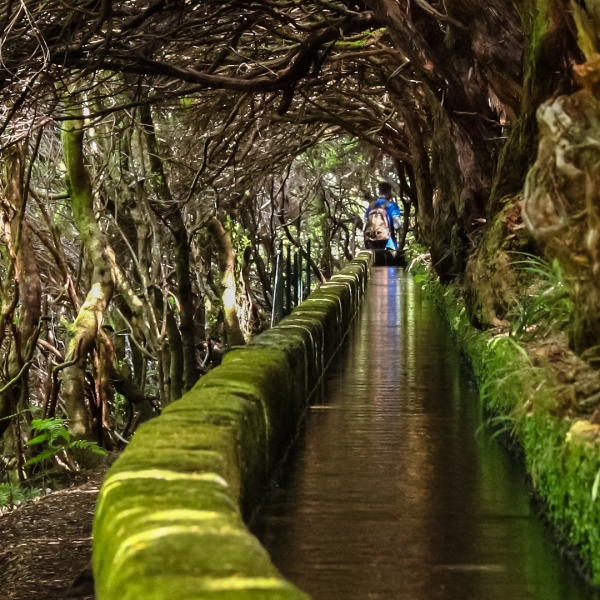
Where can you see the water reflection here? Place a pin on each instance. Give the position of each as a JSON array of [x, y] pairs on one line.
[[388, 494]]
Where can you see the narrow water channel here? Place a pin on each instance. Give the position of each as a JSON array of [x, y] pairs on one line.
[[389, 493]]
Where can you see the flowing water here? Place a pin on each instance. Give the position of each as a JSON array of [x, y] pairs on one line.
[[391, 492]]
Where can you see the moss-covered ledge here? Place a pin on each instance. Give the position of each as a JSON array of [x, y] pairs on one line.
[[521, 394], [169, 520]]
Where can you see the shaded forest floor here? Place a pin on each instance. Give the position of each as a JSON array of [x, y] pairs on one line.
[[46, 544]]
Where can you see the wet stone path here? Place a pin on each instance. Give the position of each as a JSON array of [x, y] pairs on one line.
[[389, 492]]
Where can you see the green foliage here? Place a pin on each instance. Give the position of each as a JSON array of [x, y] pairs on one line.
[[55, 437], [13, 495], [239, 237], [330, 185], [419, 264], [500, 382], [548, 305], [587, 38], [565, 475]]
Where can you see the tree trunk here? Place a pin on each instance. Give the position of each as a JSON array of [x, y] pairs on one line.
[[562, 198], [168, 210], [175, 358], [326, 257], [550, 44], [84, 330], [226, 258], [28, 287], [447, 251]]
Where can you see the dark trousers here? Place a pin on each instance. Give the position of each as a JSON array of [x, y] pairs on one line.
[[375, 244]]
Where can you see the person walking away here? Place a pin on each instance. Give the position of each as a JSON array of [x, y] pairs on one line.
[[382, 219]]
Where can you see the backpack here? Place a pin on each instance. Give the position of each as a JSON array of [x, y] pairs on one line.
[[377, 228]]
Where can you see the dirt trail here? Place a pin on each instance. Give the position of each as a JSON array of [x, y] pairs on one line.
[[46, 544]]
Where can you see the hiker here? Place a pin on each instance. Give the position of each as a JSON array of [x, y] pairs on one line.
[[382, 219]]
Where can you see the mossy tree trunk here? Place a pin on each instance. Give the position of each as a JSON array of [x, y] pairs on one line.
[[84, 331], [226, 259], [562, 192], [562, 200]]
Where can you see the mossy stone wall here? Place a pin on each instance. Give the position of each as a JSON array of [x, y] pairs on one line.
[[169, 520]]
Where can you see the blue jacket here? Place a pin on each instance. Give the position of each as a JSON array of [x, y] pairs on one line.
[[392, 210]]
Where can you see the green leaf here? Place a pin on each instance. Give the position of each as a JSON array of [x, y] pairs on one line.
[[38, 439], [11, 494], [419, 278], [53, 430], [47, 424], [86, 445], [43, 455]]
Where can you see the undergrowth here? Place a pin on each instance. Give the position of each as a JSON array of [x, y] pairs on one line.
[[547, 306], [54, 440], [13, 495], [52, 447]]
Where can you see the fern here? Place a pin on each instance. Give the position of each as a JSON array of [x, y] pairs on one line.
[[55, 436], [85, 445], [44, 455]]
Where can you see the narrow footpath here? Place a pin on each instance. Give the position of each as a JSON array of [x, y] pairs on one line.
[[394, 491], [46, 545]]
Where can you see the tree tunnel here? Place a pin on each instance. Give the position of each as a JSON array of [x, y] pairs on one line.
[[155, 155]]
